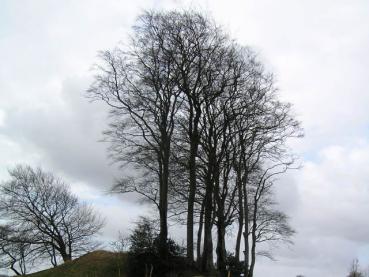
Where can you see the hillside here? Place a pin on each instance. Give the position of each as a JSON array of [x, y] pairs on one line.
[[96, 264]]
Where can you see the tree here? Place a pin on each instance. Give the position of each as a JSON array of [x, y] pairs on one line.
[[144, 251], [119, 247], [267, 223], [198, 46], [355, 269], [16, 252], [197, 116], [138, 84], [171, 64], [43, 209]]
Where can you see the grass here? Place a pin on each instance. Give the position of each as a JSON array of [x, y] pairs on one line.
[[96, 264]]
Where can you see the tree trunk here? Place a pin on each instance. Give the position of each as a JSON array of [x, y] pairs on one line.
[[253, 237], [253, 255], [219, 213], [246, 230], [207, 257], [64, 253], [163, 192], [221, 251], [240, 218], [194, 143], [66, 257], [199, 233], [163, 213], [14, 269]]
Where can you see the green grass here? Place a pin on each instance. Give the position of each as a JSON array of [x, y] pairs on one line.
[[96, 264]]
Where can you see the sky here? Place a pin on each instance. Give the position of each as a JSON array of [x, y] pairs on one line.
[[318, 51]]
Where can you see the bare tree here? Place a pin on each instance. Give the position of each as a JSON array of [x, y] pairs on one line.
[[355, 269], [16, 251], [267, 223], [120, 246], [198, 45], [195, 114], [41, 206], [138, 84]]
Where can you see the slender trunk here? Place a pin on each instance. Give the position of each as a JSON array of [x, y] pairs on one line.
[[221, 251], [238, 239], [207, 257], [163, 211], [163, 192], [163, 235], [53, 257], [253, 238], [219, 213], [246, 230], [253, 255], [14, 269], [199, 233], [22, 264], [194, 143], [240, 218]]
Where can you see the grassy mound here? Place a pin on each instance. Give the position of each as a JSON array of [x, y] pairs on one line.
[[95, 264]]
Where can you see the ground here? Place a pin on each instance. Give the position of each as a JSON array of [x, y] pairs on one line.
[[96, 264]]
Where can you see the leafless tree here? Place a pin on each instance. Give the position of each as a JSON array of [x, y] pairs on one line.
[[267, 223], [355, 269], [199, 48], [16, 252], [120, 246], [261, 130], [42, 207], [196, 115], [137, 82]]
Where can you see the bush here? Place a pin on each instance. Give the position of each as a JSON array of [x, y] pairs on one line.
[[235, 266], [143, 255]]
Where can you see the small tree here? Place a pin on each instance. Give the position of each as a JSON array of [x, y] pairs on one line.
[[144, 251], [119, 246], [16, 252], [42, 207], [142, 239], [355, 269]]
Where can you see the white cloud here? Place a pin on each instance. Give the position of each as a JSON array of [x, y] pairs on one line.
[[318, 51], [2, 118], [329, 215]]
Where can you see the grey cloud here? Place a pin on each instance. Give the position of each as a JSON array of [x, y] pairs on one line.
[[318, 50]]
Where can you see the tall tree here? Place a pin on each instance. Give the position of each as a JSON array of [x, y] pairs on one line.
[[195, 114], [137, 83], [197, 44]]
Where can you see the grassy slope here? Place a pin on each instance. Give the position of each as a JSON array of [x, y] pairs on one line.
[[95, 264]]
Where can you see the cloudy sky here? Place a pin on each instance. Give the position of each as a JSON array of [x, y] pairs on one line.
[[318, 51]]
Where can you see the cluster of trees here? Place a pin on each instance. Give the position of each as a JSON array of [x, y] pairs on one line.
[[42, 220], [197, 117]]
